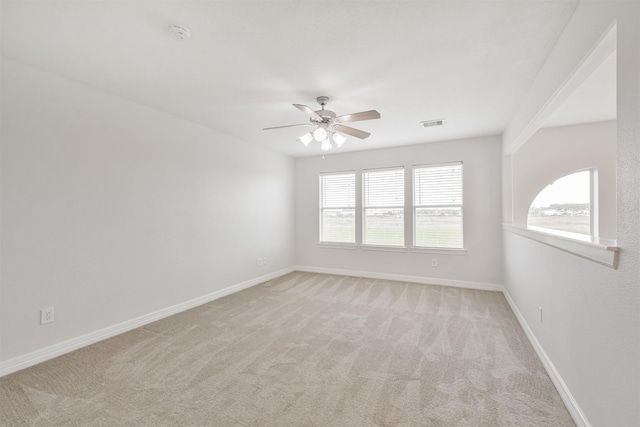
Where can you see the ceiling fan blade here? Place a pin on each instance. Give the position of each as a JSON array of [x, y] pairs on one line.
[[353, 132], [356, 117], [287, 126], [309, 112]]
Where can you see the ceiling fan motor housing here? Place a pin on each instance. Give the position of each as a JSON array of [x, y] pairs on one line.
[[329, 126], [327, 115]]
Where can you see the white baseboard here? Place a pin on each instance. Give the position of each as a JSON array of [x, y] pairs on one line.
[[403, 278], [572, 406], [44, 354]]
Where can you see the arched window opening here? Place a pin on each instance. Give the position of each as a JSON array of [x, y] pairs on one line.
[[565, 205]]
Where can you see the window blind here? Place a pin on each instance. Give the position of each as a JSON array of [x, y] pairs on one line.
[[337, 207], [383, 207], [437, 202]]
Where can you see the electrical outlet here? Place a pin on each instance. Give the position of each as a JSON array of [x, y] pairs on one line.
[[46, 315], [259, 262], [434, 262], [264, 261]]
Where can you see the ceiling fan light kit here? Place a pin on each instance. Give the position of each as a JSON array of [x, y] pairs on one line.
[[328, 125], [306, 138], [339, 139], [320, 134]]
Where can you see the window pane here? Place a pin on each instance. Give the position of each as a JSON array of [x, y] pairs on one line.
[[438, 185], [337, 208], [383, 207], [384, 227], [437, 201], [384, 188], [438, 227], [338, 191], [338, 225], [564, 205]]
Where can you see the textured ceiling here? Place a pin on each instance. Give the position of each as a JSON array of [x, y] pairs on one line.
[[248, 61]]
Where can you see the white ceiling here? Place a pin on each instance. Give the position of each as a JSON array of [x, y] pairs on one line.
[[470, 62]]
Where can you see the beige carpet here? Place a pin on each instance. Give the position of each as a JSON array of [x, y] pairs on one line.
[[303, 350]]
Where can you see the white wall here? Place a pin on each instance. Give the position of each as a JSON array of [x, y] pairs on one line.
[[482, 212], [591, 327], [112, 210], [554, 152]]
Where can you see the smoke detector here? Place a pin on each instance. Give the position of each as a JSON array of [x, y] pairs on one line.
[[179, 33], [430, 123]]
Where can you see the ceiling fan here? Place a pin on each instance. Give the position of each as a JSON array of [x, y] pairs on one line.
[[328, 126]]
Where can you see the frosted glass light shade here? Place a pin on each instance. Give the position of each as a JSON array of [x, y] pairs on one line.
[[320, 134], [326, 145], [306, 138], [339, 139]]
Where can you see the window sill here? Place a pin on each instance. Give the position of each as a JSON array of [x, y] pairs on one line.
[[328, 245], [353, 246], [602, 251], [442, 251], [413, 249], [383, 248]]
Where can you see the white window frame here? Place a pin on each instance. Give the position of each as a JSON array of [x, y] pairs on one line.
[[364, 209], [591, 247], [322, 208], [415, 207], [593, 208]]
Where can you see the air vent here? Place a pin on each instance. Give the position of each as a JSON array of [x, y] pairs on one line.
[[430, 123]]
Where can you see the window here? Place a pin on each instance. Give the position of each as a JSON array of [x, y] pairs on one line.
[[337, 207], [437, 206], [383, 207], [564, 205], [378, 217]]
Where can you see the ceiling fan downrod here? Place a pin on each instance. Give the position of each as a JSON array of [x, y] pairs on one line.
[[322, 100]]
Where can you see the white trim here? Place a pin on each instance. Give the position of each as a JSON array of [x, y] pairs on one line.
[[337, 245], [442, 251], [384, 248], [347, 172], [604, 48], [402, 278], [50, 352], [602, 251], [55, 350], [386, 168], [563, 390], [413, 249]]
